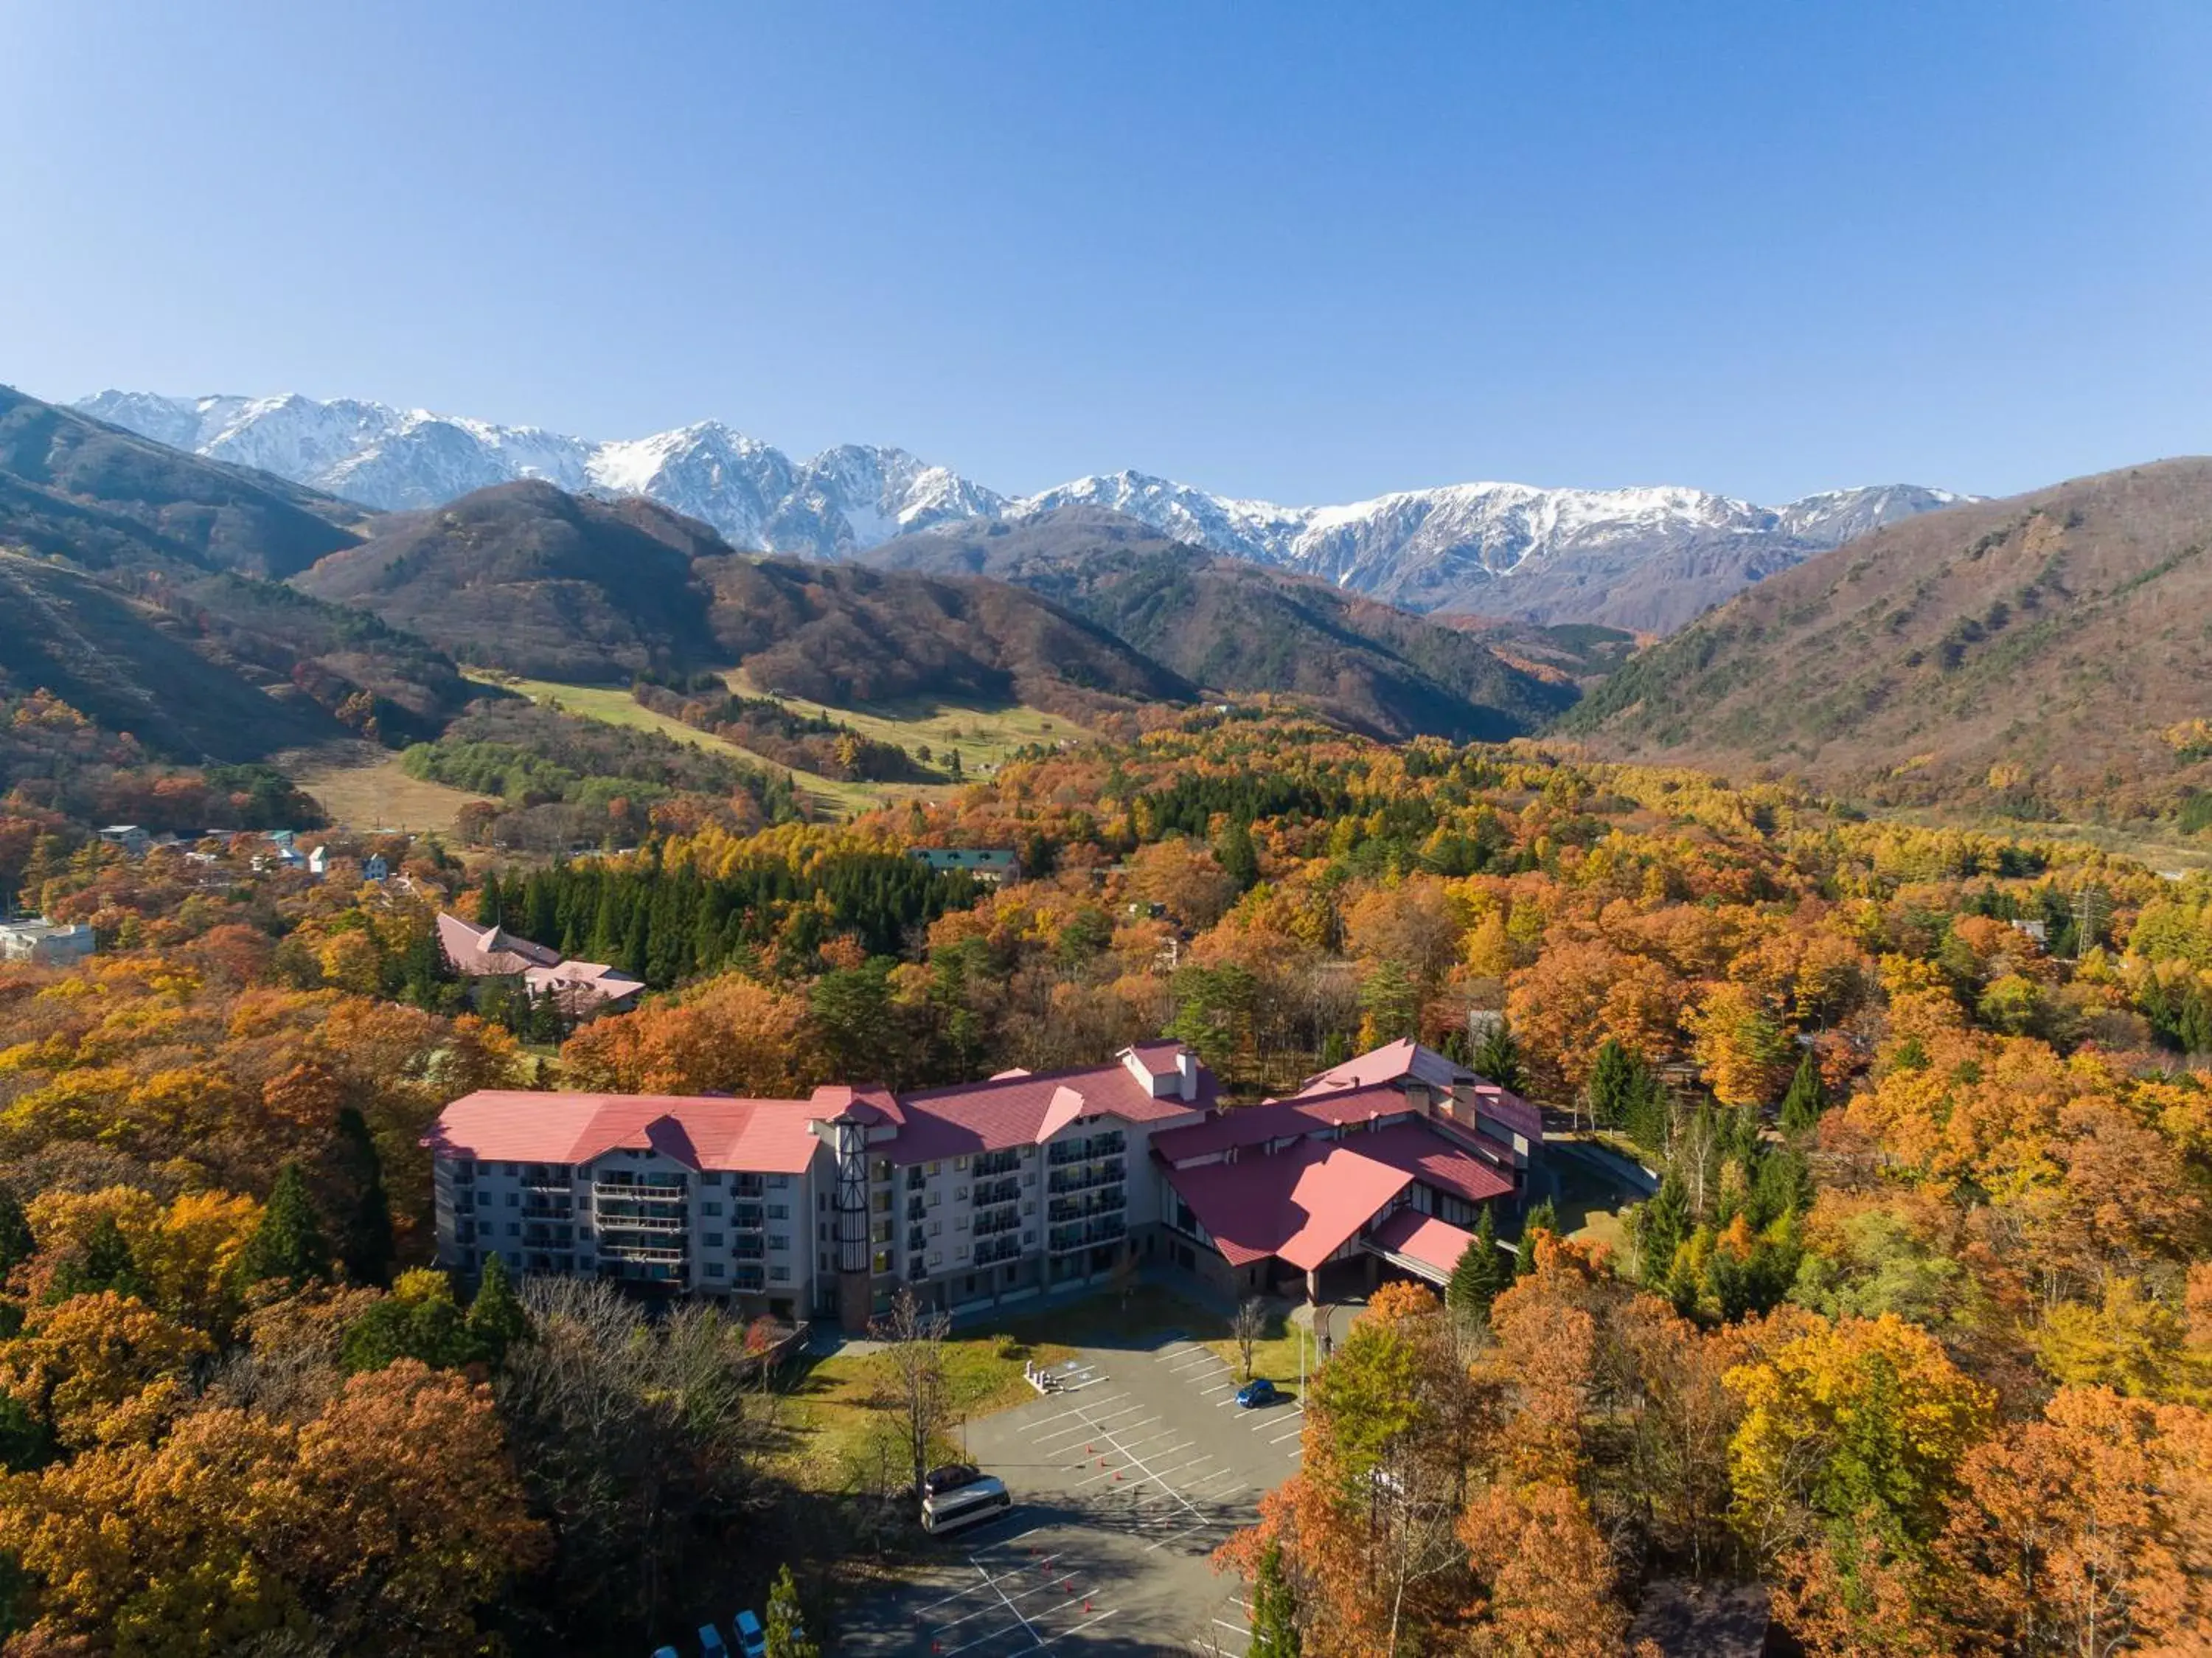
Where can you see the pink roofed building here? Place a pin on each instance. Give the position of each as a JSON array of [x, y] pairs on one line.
[[975, 1194], [578, 988], [1381, 1162]]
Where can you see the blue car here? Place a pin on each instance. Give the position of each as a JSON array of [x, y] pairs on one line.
[[752, 1639], [1257, 1391]]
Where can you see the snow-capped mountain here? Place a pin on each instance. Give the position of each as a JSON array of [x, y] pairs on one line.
[[1472, 547]]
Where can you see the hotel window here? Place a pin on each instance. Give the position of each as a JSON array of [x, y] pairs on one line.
[[710, 1209], [935, 1227], [710, 1178], [779, 1240], [935, 1196], [936, 1169], [780, 1274], [779, 1211], [714, 1240], [960, 1162], [714, 1269], [779, 1181], [883, 1260], [936, 1258], [960, 1194]]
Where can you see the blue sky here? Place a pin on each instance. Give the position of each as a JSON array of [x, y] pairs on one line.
[[1306, 254]]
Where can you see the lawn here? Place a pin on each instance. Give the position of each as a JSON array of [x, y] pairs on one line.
[[376, 794], [984, 737], [842, 1422]]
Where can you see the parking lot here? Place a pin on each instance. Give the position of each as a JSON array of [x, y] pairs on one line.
[[1124, 1482]]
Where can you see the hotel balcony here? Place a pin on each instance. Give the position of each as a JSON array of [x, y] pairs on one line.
[[1064, 1238], [1113, 1201], [1079, 1178]]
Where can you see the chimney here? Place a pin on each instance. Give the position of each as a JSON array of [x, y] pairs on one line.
[[1186, 1071]]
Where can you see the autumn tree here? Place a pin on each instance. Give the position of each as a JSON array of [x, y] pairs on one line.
[[785, 1632], [1245, 1327], [2084, 1532], [916, 1388], [1274, 1615]]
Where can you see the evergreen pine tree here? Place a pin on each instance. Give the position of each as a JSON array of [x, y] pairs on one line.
[[785, 1637], [1335, 1049], [1482, 1272], [497, 1317], [17, 1243], [2194, 1026], [1499, 1058], [106, 1264], [1612, 1080], [1807, 1099], [1274, 1611], [365, 1243], [1648, 1114], [1660, 1226], [288, 1243], [1542, 1216], [1240, 860]]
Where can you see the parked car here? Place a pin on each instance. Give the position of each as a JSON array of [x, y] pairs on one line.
[[1257, 1391], [711, 1644], [752, 1639], [950, 1477]]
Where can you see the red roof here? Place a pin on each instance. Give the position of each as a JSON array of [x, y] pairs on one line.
[[506, 1126], [1279, 1119], [1433, 1160], [1427, 1239], [1024, 1110], [1398, 1062], [1304, 1203]]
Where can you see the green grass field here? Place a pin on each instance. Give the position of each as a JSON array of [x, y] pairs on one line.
[[984, 737]]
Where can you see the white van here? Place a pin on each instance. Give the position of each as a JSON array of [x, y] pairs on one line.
[[964, 1505]]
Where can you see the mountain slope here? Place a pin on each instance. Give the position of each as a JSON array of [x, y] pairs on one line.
[[1503, 549], [1240, 627], [2047, 653], [147, 598], [130, 667], [104, 496], [529, 578]]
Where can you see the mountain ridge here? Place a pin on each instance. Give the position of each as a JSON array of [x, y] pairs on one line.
[[1497, 548], [2040, 656], [1243, 627]]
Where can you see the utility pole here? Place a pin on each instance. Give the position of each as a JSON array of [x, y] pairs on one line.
[[2090, 907]]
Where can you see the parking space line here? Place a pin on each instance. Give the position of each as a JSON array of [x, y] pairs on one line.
[[1072, 1410]]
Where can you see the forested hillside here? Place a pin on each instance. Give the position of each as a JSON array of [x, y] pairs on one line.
[[2041, 656], [1242, 628], [1922, 1294]]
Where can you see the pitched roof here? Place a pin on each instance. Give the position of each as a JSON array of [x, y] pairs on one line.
[[1015, 1110], [1397, 1062], [1304, 1203], [768, 1136], [489, 950], [1432, 1242], [1391, 1062], [1301, 1204], [1428, 1157], [1278, 1119]]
